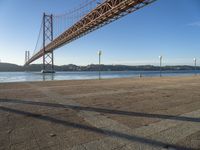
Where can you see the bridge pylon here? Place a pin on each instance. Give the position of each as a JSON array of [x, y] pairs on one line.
[[27, 56], [48, 57]]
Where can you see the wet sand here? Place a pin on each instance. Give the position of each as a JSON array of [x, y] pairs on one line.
[[131, 113]]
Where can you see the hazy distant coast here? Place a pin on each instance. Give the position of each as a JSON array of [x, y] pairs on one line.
[[8, 67]]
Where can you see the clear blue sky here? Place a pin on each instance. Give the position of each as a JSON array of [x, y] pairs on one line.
[[167, 27]]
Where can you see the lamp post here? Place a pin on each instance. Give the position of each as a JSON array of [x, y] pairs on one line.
[[195, 65], [99, 54], [160, 58]]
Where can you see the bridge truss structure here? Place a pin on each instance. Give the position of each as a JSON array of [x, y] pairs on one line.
[[104, 13]]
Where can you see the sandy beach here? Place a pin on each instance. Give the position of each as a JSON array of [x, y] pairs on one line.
[[109, 114]]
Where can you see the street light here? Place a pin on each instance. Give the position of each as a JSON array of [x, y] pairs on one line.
[[160, 58], [195, 64], [99, 53]]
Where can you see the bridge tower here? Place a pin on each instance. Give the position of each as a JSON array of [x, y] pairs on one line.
[[48, 57], [27, 56]]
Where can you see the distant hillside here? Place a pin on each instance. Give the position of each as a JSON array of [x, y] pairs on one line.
[[10, 67], [38, 67]]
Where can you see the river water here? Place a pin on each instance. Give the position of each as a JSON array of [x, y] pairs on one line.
[[37, 76]]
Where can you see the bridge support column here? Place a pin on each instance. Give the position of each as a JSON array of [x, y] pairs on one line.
[[27, 56], [48, 57]]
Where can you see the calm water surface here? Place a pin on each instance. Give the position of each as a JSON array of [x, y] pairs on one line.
[[37, 76]]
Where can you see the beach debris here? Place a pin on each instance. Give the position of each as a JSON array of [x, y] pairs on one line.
[[52, 135]]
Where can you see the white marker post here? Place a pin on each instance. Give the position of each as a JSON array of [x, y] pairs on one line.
[[195, 65], [160, 58], [99, 54]]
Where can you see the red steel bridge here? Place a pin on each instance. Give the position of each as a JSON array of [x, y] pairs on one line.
[[58, 30]]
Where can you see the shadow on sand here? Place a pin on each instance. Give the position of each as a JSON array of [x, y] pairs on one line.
[[106, 132], [103, 110]]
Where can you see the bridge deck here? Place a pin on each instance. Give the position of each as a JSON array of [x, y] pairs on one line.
[[150, 113], [105, 13]]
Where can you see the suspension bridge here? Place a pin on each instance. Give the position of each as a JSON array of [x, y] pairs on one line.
[[58, 30]]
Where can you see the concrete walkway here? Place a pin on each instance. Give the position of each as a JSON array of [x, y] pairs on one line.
[[152, 113]]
